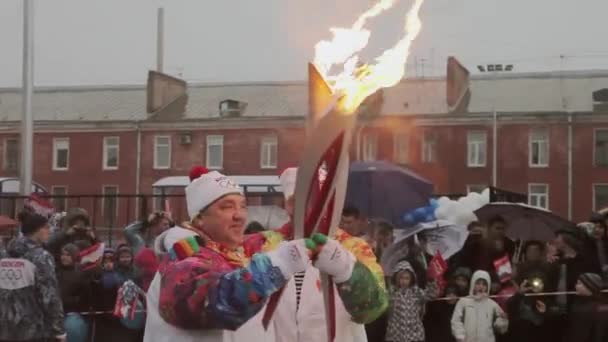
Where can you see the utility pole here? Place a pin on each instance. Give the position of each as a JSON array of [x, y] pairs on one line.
[[495, 69], [27, 124], [160, 39]]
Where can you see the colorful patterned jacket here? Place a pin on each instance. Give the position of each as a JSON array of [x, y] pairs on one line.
[[208, 286]]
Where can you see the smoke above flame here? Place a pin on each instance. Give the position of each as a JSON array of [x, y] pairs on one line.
[[355, 81]]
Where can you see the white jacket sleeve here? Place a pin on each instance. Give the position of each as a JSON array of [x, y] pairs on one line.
[[458, 321], [500, 324]]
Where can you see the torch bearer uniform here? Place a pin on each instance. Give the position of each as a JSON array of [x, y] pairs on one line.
[[207, 292], [358, 301]]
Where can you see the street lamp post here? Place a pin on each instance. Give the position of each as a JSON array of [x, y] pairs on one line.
[[495, 69], [27, 124]]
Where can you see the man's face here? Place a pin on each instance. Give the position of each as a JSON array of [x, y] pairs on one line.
[[599, 231], [533, 253], [497, 230], [163, 224], [224, 221], [43, 234], [353, 225], [384, 239], [79, 224], [477, 230], [480, 287]]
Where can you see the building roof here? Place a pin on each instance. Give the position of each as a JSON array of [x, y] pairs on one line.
[[516, 92]]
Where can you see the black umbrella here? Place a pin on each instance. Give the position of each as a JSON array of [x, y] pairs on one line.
[[524, 222]]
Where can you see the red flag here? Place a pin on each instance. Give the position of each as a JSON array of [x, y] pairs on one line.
[[503, 269], [437, 267]]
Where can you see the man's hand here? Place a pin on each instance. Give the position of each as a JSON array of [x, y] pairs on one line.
[[61, 338], [290, 257], [333, 258], [541, 307]]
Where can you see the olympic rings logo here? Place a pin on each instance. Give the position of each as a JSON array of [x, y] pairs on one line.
[[10, 274]]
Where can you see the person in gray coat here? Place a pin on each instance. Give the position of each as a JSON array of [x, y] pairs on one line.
[[31, 307]]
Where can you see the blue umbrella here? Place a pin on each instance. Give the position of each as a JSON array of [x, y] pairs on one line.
[[384, 190]]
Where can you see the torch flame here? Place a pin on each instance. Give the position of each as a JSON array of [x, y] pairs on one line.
[[356, 82]]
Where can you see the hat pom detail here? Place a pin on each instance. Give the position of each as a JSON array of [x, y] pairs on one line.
[[197, 171]]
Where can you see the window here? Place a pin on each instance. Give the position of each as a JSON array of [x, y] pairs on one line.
[[401, 146], [429, 145], [110, 205], [476, 149], [162, 152], [539, 148], [111, 148], [268, 153], [538, 195], [370, 146], [11, 154], [158, 199], [59, 201], [215, 151], [61, 154], [600, 196], [476, 188], [601, 147]]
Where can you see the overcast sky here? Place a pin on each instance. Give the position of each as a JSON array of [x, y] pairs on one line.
[[113, 41]]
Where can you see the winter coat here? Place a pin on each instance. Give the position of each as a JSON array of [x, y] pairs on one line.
[[31, 307], [406, 310], [75, 288], [588, 321], [360, 300], [211, 293], [476, 316], [437, 321], [220, 308], [526, 323]]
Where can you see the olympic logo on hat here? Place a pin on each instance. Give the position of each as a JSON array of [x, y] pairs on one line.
[[226, 182]]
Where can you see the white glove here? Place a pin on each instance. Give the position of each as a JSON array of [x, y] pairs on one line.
[[290, 257], [336, 261]]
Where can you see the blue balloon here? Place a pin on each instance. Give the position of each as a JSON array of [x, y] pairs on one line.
[[419, 213], [434, 203], [409, 219]]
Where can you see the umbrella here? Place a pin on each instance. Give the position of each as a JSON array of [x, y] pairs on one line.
[[446, 237], [443, 236], [7, 223], [525, 222], [383, 190]]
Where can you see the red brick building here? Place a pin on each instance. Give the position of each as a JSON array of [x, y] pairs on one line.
[[122, 139]]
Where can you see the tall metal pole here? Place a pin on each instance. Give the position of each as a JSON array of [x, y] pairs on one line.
[[495, 151], [570, 180], [27, 124], [160, 39]]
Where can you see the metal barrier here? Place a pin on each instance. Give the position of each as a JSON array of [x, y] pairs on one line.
[[109, 214]]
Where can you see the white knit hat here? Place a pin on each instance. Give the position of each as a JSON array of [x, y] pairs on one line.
[[288, 181], [208, 188]]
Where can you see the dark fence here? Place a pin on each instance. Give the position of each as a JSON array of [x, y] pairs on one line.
[[110, 213]]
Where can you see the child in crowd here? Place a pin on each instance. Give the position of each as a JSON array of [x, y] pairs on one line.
[[407, 305], [477, 316], [589, 317], [461, 278]]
